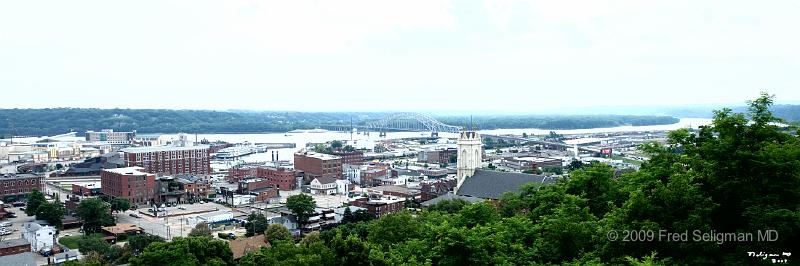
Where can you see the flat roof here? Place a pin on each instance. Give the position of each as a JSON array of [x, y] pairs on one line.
[[164, 148], [322, 156], [396, 189], [122, 228], [133, 170]]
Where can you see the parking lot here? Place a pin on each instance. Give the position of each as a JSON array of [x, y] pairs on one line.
[[174, 224], [323, 201]]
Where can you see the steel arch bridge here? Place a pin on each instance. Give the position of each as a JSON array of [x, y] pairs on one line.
[[410, 122]]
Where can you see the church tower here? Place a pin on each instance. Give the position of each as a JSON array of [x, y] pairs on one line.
[[469, 155]]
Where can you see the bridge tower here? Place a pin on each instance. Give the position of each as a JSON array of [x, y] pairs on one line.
[[469, 155]]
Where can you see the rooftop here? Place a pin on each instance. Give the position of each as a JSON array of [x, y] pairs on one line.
[[164, 148], [122, 229], [22, 259], [133, 170], [396, 189], [492, 184], [326, 180], [321, 156], [14, 243], [242, 246]]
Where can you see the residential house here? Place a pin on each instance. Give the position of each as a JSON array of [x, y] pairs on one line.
[[41, 237], [242, 246], [323, 185]]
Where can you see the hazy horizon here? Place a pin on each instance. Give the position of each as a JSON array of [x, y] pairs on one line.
[[429, 56]]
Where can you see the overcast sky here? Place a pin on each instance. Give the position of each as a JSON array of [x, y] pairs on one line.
[[516, 56]]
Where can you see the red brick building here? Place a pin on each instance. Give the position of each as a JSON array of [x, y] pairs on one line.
[[18, 186], [380, 207], [353, 157], [14, 246], [170, 160], [86, 190], [283, 178], [318, 165], [131, 183], [265, 194]]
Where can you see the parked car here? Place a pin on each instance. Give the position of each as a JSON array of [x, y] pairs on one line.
[[22, 209], [18, 204], [5, 224], [181, 208], [134, 215]]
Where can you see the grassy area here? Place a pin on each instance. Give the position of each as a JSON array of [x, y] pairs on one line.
[[633, 162], [69, 241]]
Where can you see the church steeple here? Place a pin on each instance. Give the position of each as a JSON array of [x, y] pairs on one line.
[[469, 154]]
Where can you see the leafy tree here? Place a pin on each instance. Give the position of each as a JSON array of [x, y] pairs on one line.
[[553, 169], [186, 251], [35, 199], [477, 214], [575, 165], [94, 243], [53, 213], [287, 253], [302, 206], [120, 204], [94, 213], [256, 224], [277, 232], [310, 238], [138, 243], [336, 144], [393, 229], [201, 229], [524, 135], [449, 206], [349, 148], [347, 216]]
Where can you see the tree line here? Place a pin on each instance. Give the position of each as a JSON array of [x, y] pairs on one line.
[[52, 121]]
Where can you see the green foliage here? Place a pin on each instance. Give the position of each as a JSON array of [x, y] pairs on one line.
[[201, 229], [277, 232], [553, 169], [393, 229], [94, 213], [35, 199], [449, 206], [256, 224], [302, 206], [185, 251], [120, 204], [336, 144], [349, 148], [289, 254], [138, 243], [480, 213], [53, 213]]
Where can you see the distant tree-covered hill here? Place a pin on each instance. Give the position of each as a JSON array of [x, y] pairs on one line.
[[60, 120]]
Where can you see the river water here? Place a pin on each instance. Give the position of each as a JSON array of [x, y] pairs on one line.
[[301, 139]]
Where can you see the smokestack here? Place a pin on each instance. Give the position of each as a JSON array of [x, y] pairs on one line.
[[273, 156]]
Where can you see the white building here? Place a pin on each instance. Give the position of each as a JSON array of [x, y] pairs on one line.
[[210, 218], [469, 155], [323, 185], [41, 237], [343, 186]]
